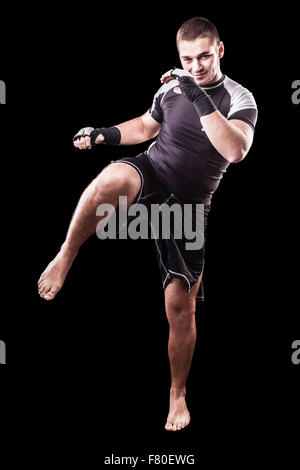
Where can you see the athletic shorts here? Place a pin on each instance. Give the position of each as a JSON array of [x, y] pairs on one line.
[[175, 260]]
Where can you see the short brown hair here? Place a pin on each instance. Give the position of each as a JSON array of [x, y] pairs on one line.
[[197, 27]]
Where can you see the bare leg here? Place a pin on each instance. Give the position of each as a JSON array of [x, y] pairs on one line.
[[180, 309], [118, 179]]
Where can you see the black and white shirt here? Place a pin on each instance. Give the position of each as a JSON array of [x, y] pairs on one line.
[[182, 156]]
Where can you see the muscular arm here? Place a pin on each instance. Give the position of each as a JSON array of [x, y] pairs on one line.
[[138, 130], [132, 132], [232, 139]]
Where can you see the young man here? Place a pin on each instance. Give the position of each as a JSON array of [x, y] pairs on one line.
[[202, 121]]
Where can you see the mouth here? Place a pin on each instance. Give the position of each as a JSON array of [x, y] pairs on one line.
[[200, 75]]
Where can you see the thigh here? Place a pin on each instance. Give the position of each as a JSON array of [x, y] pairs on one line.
[[152, 190], [120, 180]]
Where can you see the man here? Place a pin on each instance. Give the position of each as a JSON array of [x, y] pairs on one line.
[[202, 122]]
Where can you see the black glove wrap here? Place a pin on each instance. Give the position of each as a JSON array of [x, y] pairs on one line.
[[196, 95], [112, 135]]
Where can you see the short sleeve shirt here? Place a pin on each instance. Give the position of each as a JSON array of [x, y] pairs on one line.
[[182, 156]]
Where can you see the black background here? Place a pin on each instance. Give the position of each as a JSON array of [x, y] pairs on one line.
[[88, 373]]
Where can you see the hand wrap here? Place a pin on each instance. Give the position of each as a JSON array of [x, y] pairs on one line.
[[112, 135], [196, 95]]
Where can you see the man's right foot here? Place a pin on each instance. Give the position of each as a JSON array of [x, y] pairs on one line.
[[52, 279]]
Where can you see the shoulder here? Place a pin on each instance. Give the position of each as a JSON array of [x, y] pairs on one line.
[[242, 103], [156, 110], [161, 92], [239, 94]]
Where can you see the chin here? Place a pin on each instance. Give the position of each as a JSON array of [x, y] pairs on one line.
[[201, 82]]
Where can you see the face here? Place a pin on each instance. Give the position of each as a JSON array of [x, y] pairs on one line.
[[201, 57]]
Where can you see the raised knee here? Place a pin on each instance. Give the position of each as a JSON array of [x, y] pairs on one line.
[[115, 179]]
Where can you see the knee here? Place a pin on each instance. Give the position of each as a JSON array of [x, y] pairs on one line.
[[116, 180], [109, 180], [181, 315]]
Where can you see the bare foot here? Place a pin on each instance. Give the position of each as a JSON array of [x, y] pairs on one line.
[[179, 416], [52, 279]]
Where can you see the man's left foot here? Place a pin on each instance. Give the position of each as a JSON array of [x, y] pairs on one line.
[[179, 416]]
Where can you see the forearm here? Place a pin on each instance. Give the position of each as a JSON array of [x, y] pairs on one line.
[[133, 132], [227, 139]]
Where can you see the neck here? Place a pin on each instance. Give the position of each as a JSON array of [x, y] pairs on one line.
[[218, 76]]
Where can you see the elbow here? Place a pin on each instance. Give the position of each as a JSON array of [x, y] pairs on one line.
[[234, 157], [240, 151], [238, 155], [237, 158]]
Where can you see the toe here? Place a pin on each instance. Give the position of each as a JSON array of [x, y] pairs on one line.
[[49, 296], [42, 287], [186, 423], [173, 427], [51, 293], [169, 426], [45, 291]]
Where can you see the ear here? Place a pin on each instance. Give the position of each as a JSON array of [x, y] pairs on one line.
[[221, 50]]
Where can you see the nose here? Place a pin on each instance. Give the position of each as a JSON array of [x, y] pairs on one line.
[[196, 66]]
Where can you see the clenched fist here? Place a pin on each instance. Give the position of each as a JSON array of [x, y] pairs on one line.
[[83, 139], [87, 137]]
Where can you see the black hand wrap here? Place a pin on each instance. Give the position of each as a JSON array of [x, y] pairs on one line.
[[112, 135], [200, 99]]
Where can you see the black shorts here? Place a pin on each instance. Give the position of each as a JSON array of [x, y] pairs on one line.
[[173, 257]]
